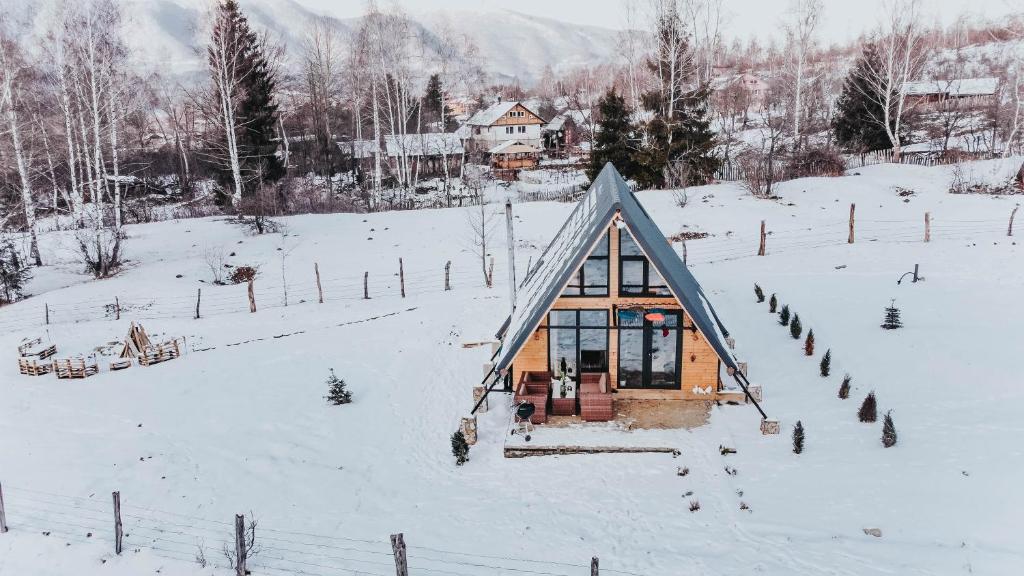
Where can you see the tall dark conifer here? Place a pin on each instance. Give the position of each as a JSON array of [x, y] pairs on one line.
[[858, 123], [612, 141]]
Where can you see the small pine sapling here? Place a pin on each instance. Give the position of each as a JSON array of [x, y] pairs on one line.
[[892, 317], [773, 303], [868, 409], [798, 438], [460, 448], [844, 388], [795, 328], [758, 293], [784, 315], [338, 392], [825, 367], [888, 431], [809, 343]]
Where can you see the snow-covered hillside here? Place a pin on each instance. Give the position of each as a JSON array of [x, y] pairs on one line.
[[239, 423]]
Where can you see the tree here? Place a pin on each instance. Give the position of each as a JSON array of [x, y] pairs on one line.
[[809, 344], [795, 328], [13, 273], [856, 122], [825, 366], [758, 293], [844, 388], [888, 431], [460, 448], [784, 315], [802, 21], [321, 70], [337, 391], [868, 409], [434, 104], [773, 303], [892, 317], [798, 438], [612, 142]]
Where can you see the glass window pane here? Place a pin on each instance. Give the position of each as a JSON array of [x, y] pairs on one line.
[[595, 275], [593, 350], [655, 283], [573, 288], [562, 350], [632, 276], [602, 247], [663, 358], [562, 318], [627, 246], [593, 318], [631, 358]]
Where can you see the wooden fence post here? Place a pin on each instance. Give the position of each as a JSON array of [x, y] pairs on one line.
[[401, 276], [47, 305], [760, 248], [684, 252], [927, 226], [3, 516], [593, 566], [199, 297], [366, 285], [490, 273], [447, 276], [853, 207], [319, 288], [117, 309], [252, 298], [398, 548], [118, 531], [1009, 229], [240, 550]]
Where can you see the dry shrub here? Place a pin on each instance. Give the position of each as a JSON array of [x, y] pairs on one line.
[[243, 274], [815, 162]]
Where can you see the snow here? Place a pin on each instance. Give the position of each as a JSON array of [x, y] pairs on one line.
[[488, 116], [958, 87], [427, 143], [242, 426]]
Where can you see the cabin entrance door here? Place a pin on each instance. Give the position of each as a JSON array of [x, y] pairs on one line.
[[649, 352]]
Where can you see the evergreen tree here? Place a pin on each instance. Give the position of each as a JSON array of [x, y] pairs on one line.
[[892, 317], [758, 293], [798, 438], [844, 388], [856, 123], [256, 116], [888, 431], [795, 328], [433, 103], [784, 315], [337, 391], [868, 409], [460, 448], [773, 303], [825, 367], [612, 141], [13, 273], [809, 344]]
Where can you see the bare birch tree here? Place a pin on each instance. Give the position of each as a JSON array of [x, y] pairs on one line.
[[801, 23]]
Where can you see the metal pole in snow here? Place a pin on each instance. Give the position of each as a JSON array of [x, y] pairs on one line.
[[511, 239]]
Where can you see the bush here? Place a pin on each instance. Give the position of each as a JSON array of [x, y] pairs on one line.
[[13, 273], [795, 328], [888, 431], [460, 448], [243, 274], [694, 505], [758, 293], [868, 409], [806, 162], [100, 251], [809, 344], [784, 315], [773, 303], [844, 388], [825, 367], [798, 438], [337, 392]]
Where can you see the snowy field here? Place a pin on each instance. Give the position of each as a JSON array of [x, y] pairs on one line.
[[239, 425]]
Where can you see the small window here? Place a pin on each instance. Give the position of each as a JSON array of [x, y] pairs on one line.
[[592, 277], [521, 129], [509, 129], [637, 277]]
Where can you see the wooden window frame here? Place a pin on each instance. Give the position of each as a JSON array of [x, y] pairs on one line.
[[645, 288]]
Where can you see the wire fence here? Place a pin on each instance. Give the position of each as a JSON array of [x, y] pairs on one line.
[[212, 543]]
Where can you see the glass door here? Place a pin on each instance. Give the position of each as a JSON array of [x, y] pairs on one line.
[[649, 352]]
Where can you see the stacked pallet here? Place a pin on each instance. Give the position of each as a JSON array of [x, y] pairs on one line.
[[156, 353], [30, 367], [75, 368]]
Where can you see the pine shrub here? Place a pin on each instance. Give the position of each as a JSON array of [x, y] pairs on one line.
[[825, 367], [14, 273], [798, 438], [809, 344], [795, 328], [888, 431], [844, 388], [460, 448], [773, 303], [758, 293], [784, 315], [337, 392], [892, 317], [868, 409]]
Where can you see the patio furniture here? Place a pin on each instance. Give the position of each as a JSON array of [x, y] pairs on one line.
[[534, 387], [595, 398], [563, 406]]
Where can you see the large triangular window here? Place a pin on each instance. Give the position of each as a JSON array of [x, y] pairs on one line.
[[637, 276], [592, 277]]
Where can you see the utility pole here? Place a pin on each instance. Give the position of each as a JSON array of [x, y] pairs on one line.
[[511, 239]]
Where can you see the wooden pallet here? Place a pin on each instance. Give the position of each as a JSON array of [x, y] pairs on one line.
[[29, 349], [75, 368], [30, 367], [120, 364], [157, 353]]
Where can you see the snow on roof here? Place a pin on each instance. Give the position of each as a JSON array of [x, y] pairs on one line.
[[359, 149], [556, 123], [957, 87], [426, 144], [513, 147], [608, 195], [488, 116]]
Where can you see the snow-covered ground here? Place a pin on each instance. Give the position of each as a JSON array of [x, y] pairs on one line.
[[240, 424]]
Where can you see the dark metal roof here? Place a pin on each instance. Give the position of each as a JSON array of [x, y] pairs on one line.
[[608, 194]]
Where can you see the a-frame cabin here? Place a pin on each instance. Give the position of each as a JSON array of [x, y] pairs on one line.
[[612, 307]]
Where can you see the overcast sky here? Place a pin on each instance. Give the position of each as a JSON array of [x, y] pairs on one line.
[[844, 19]]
